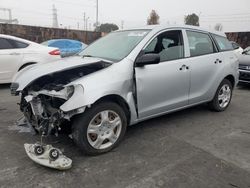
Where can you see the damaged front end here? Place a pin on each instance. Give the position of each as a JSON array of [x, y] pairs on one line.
[[42, 99], [50, 99], [42, 108]]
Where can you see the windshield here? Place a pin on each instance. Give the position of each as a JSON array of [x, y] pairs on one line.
[[115, 46]]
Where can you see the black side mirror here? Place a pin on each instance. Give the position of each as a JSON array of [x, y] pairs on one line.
[[147, 59]]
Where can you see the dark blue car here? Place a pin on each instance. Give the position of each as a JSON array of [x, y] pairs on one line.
[[67, 47]]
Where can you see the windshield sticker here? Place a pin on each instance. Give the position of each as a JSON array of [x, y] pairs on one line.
[[137, 34]]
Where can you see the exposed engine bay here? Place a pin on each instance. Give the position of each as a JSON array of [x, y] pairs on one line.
[[41, 99]]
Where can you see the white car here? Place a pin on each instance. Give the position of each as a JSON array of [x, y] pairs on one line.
[[17, 53]]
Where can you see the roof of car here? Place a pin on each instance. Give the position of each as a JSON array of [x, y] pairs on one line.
[[162, 27], [16, 38]]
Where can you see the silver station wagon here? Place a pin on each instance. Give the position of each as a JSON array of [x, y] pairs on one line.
[[127, 77]]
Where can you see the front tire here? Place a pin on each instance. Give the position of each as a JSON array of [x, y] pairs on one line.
[[100, 128], [222, 97]]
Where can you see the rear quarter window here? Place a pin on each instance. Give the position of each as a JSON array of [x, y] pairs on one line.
[[223, 43], [17, 44], [5, 44]]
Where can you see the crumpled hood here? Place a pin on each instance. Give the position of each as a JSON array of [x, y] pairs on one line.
[[29, 74], [244, 59]]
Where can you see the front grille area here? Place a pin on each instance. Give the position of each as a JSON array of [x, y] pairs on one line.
[[245, 76], [244, 67], [13, 88]]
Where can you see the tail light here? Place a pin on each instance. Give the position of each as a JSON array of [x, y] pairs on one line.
[[55, 52]]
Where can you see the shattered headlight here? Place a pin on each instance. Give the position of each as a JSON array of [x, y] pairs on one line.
[[69, 91]]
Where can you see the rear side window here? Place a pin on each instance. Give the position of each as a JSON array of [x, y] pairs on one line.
[[11, 44], [5, 44], [18, 44], [223, 43], [200, 43]]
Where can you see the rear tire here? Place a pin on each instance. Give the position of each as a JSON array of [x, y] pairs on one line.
[[223, 97], [100, 128]]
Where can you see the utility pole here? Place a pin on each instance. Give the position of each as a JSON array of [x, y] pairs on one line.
[[55, 20], [84, 20], [97, 12], [86, 25]]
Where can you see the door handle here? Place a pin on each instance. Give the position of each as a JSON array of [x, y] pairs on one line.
[[184, 67], [217, 61], [14, 53]]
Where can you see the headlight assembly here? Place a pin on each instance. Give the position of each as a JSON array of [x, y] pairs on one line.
[[69, 91]]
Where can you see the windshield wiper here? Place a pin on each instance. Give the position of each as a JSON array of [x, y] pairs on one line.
[[87, 56]]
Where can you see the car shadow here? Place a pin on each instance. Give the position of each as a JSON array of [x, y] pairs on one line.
[[4, 86], [244, 87], [203, 108], [66, 144]]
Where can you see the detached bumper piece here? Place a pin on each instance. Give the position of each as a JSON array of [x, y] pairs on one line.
[[48, 156]]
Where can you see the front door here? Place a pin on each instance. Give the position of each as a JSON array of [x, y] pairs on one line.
[[165, 86]]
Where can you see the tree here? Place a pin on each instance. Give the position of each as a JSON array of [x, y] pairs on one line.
[[107, 27], [153, 18], [218, 27], [192, 19]]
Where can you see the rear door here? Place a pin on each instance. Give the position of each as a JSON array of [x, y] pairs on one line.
[[10, 58], [206, 66]]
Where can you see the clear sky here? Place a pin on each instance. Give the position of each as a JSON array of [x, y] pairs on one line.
[[233, 15]]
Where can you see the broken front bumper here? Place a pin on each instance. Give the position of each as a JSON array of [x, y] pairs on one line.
[[42, 109], [48, 156]]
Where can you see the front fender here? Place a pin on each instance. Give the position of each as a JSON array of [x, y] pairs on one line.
[[83, 97]]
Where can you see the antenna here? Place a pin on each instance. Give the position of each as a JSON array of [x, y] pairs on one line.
[[54, 14]]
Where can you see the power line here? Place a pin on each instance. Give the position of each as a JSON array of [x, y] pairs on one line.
[[225, 15], [75, 4], [234, 21]]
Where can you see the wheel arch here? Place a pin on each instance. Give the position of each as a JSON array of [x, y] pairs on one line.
[[231, 79], [118, 100], [26, 64]]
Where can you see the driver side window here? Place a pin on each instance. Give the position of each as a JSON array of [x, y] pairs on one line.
[[169, 45]]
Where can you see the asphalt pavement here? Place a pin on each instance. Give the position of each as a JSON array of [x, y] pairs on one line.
[[191, 148]]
